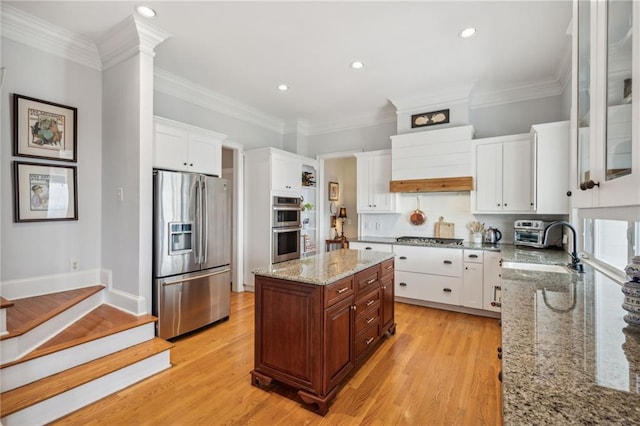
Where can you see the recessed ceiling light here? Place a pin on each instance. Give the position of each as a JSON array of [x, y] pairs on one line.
[[146, 11], [283, 87], [467, 32], [357, 65]]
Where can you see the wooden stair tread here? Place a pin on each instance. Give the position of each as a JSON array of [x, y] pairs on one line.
[[33, 393], [102, 321], [28, 313], [4, 303]]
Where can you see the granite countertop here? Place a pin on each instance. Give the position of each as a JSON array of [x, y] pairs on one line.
[[568, 356], [324, 268], [392, 240]]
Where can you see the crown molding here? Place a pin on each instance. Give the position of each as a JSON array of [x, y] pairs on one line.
[[516, 94], [351, 123], [127, 39], [178, 87], [418, 103], [37, 33]]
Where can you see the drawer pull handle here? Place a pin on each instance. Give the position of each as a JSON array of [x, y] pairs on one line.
[[371, 302], [369, 340], [367, 248], [390, 267], [371, 281], [370, 320], [446, 290], [403, 284], [447, 262], [342, 290], [403, 257], [473, 256]]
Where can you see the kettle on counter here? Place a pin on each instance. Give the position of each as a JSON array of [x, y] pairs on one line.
[[492, 236]]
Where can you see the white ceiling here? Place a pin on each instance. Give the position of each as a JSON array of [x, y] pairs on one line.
[[243, 50]]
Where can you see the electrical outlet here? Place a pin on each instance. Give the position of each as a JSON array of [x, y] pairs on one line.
[[120, 194], [74, 265]]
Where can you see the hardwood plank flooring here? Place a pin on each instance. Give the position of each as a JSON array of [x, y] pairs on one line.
[[28, 313], [439, 369]]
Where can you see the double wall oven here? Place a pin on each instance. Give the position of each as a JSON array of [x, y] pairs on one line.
[[286, 225]]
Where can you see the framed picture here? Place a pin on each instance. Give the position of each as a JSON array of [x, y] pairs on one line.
[[430, 118], [333, 191], [44, 192], [44, 129]]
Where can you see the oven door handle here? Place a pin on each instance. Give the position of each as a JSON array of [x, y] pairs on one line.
[[281, 230], [287, 208]]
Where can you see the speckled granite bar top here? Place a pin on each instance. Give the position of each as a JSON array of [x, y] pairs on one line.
[[324, 268], [568, 356]]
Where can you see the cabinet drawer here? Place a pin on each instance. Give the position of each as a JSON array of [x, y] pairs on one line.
[[364, 302], [338, 291], [368, 338], [367, 280], [430, 288], [474, 256], [386, 268], [429, 260], [368, 317], [357, 245]]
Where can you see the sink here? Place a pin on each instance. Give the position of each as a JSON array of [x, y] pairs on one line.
[[535, 267]]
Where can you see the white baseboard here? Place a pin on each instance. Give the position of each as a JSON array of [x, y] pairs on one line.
[[45, 284]]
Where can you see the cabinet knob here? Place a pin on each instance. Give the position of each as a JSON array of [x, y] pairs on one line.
[[505, 204], [191, 164], [589, 185], [568, 193], [184, 164], [466, 267], [498, 204]]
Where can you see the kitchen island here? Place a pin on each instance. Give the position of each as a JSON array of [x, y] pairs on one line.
[[319, 318], [568, 356]]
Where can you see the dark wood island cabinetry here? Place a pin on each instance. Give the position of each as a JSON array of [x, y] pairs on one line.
[[319, 318]]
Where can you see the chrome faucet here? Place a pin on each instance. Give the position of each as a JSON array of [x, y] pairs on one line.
[[575, 260]]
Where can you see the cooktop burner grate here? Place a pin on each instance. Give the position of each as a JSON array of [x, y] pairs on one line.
[[431, 240]]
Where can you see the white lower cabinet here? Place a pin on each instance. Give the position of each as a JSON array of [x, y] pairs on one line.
[[359, 245], [431, 274], [492, 281], [472, 279]]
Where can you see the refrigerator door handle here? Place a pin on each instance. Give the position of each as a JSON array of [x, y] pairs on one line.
[[181, 280], [198, 221], [205, 220]]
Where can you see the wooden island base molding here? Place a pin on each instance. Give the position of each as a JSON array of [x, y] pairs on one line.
[[318, 319]]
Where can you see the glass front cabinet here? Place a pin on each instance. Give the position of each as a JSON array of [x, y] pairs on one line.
[[606, 118]]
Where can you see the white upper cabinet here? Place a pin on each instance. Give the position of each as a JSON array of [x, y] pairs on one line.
[[605, 155], [502, 175], [286, 173], [177, 146], [550, 155], [373, 173]]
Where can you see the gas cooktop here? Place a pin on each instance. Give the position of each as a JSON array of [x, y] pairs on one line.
[[431, 240]]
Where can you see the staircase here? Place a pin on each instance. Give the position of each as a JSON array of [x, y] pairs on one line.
[[63, 351]]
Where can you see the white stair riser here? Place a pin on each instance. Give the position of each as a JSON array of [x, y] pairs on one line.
[[76, 398], [44, 366], [16, 347]]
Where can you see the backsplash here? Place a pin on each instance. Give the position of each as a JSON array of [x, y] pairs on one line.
[[453, 206]]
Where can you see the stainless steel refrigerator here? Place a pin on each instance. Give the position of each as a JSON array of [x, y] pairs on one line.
[[191, 259]]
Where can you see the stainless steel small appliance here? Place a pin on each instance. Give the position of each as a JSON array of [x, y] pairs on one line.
[[530, 233], [492, 236], [286, 211]]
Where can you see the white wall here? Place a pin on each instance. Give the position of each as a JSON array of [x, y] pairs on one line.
[[251, 136], [517, 117], [343, 171], [44, 248], [369, 138]]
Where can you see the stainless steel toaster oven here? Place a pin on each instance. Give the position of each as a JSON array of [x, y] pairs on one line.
[[530, 233]]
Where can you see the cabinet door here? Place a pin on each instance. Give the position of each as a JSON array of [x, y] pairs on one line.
[[550, 155], [170, 147], [380, 176], [472, 285], [516, 176], [205, 154], [286, 174], [363, 185], [492, 281], [338, 343], [388, 309], [489, 177]]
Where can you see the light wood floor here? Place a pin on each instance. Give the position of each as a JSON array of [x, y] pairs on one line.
[[439, 369]]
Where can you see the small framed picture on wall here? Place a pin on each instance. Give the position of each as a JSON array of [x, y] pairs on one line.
[[334, 191]]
